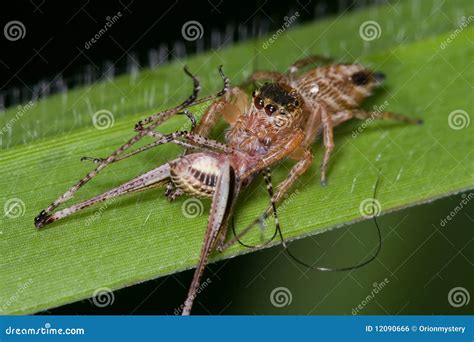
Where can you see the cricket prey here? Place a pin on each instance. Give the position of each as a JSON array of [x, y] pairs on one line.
[[280, 119]]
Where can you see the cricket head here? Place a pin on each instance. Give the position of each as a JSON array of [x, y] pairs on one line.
[[279, 104]]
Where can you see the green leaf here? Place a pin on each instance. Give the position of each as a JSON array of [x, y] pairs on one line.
[[142, 236]]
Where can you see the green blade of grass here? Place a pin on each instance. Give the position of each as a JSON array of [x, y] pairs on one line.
[[142, 236]]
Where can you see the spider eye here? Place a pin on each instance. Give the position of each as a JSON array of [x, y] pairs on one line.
[[270, 109], [254, 93], [258, 102]]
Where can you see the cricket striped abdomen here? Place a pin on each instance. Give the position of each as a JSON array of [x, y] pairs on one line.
[[196, 174]]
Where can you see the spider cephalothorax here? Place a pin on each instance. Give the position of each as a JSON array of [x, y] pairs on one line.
[[276, 111], [281, 103]]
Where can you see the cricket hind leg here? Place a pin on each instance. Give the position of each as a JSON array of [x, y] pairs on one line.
[[160, 118], [148, 180], [223, 201]]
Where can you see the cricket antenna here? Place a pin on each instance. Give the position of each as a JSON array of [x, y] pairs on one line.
[[260, 222], [349, 268], [307, 265]]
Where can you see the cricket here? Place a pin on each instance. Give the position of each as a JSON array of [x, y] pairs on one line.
[[281, 119]]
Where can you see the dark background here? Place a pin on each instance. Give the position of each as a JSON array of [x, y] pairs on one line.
[[422, 260], [56, 33]]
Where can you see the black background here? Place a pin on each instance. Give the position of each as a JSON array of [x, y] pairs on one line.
[[56, 33]]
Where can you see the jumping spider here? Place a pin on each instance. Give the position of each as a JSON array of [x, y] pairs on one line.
[[282, 120]]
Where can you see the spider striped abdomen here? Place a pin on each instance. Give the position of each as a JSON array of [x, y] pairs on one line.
[[196, 174], [337, 87]]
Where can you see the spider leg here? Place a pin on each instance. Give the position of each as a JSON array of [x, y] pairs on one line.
[[270, 158], [276, 154], [312, 126], [328, 140], [362, 115], [319, 118], [301, 63], [296, 171], [148, 180], [230, 107], [272, 76], [267, 176], [268, 181], [222, 203]]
